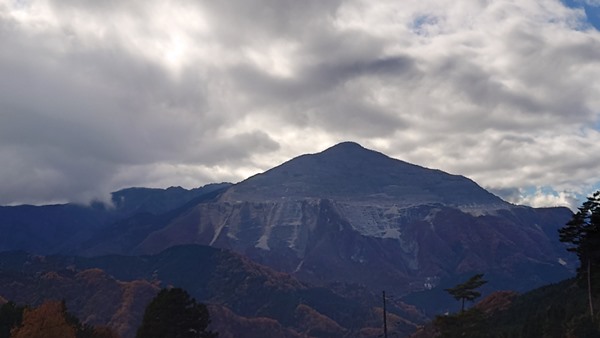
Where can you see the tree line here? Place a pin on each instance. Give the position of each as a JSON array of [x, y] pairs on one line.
[[171, 314], [551, 311]]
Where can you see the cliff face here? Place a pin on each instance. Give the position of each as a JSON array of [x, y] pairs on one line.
[[322, 240], [345, 215], [355, 215]]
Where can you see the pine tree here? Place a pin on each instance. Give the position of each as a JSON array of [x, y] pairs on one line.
[[174, 314], [583, 233], [11, 316], [466, 290]]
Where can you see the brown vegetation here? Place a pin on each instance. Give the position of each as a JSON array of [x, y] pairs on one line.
[[497, 301], [231, 325], [45, 321], [315, 323], [91, 295]]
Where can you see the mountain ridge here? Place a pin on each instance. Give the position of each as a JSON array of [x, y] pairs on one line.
[[63, 227], [348, 170], [352, 214], [349, 214]]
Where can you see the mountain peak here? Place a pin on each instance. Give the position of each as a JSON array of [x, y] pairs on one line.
[[346, 146], [351, 152], [348, 171], [349, 148]]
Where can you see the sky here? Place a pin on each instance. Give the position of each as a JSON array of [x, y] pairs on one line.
[[100, 95]]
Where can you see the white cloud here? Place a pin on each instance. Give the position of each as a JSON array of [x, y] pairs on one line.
[[100, 95], [593, 3], [544, 198]]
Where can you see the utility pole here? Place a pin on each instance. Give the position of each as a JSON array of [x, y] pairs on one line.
[[384, 318], [589, 282]]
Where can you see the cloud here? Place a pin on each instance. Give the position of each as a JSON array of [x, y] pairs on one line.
[[594, 3], [548, 198], [102, 95]]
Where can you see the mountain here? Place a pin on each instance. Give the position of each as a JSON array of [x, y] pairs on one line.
[[113, 291], [62, 227], [133, 201], [349, 172], [355, 215]]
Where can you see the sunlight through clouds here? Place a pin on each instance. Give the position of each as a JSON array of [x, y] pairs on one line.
[[503, 92]]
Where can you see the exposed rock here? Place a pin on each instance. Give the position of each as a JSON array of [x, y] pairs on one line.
[[349, 214]]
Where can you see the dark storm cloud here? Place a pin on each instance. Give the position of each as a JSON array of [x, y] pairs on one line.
[[75, 113], [98, 95], [315, 95]]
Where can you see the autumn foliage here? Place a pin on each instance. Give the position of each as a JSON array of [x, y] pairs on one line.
[[48, 320]]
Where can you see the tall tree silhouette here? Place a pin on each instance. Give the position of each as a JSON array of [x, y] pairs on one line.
[[466, 290], [174, 314], [11, 316], [583, 233]]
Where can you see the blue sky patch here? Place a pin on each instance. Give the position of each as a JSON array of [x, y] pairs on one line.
[[592, 11]]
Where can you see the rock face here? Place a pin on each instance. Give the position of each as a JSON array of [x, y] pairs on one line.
[[355, 215]]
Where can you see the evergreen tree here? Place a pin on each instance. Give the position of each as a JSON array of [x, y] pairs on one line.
[[174, 314], [467, 324], [466, 290], [89, 331], [11, 316], [583, 233]]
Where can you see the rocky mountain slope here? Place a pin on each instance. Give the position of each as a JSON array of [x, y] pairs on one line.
[[62, 227], [351, 214], [345, 215], [349, 172]]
